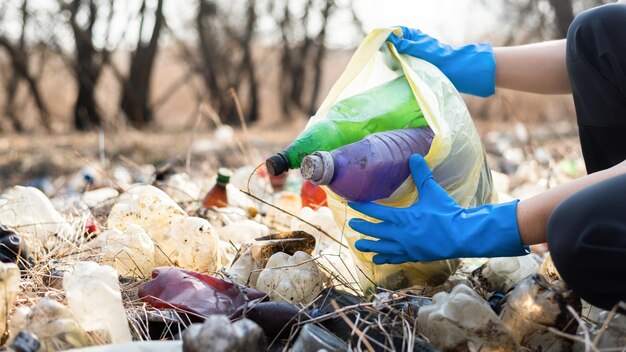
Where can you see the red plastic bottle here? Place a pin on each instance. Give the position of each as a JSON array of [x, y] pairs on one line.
[[312, 196]]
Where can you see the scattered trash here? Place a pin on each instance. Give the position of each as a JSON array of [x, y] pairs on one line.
[[195, 293], [25, 342], [242, 231], [536, 305], [217, 196], [93, 285], [277, 319], [460, 320], [295, 279], [9, 286], [500, 274], [13, 249], [313, 338], [131, 253], [217, 334], [190, 243], [312, 196]]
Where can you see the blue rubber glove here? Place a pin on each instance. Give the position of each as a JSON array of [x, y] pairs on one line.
[[436, 227], [471, 68]]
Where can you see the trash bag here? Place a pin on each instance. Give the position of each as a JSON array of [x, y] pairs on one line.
[[456, 157]]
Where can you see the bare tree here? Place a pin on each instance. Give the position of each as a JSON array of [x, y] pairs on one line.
[[136, 90], [19, 58]]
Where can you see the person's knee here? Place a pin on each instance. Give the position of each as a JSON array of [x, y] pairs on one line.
[[600, 24]]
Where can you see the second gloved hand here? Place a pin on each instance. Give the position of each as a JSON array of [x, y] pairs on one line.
[[471, 68], [436, 227]]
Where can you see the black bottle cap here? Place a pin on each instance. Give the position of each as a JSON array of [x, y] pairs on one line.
[[277, 164]]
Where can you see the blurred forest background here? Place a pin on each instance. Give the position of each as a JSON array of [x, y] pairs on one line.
[[74, 66]]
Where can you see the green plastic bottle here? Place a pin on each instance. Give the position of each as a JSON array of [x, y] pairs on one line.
[[390, 106]]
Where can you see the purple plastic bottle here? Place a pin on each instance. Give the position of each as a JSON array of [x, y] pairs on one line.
[[370, 169]]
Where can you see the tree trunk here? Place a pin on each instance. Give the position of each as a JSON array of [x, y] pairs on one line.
[[564, 15], [136, 94]]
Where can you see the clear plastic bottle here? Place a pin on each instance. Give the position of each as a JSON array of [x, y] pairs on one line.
[[386, 107], [370, 169], [217, 196]]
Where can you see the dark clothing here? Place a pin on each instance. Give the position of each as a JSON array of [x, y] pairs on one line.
[[596, 64], [587, 231]]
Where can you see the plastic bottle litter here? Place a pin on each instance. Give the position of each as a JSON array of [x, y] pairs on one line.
[[351, 119], [533, 306], [287, 201], [98, 196], [217, 334], [313, 196], [500, 274], [54, 325], [242, 232], [614, 334], [30, 212], [312, 338], [380, 159], [13, 249], [135, 346], [181, 188], [194, 292], [253, 257], [295, 279], [461, 321], [323, 218], [191, 243], [92, 285], [9, 287], [277, 319], [217, 196], [131, 253], [148, 207], [547, 269]]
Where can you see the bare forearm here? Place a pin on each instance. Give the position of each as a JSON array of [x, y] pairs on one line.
[[535, 68], [533, 213]]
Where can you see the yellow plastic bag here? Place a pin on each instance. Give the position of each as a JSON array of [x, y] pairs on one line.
[[456, 157]]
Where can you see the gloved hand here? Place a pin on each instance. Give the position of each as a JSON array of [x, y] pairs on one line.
[[436, 227], [471, 68]]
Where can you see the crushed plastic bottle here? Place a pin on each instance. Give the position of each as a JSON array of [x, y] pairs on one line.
[[98, 196], [131, 253], [9, 287], [312, 338], [461, 321], [92, 285], [191, 243], [148, 207], [242, 232], [322, 218], [380, 159], [218, 334], [196, 293], [500, 274], [614, 334], [352, 119], [548, 269], [295, 279], [30, 212], [55, 326], [534, 306]]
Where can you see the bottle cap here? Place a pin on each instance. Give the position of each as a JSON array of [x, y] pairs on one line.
[[223, 175], [319, 168], [277, 164]]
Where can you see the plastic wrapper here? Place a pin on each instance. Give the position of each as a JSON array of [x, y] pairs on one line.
[[456, 157], [500, 274], [93, 296]]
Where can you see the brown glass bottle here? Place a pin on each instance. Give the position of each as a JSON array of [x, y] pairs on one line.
[[217, 196]]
